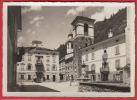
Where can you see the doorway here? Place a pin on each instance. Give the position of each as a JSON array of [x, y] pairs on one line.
[[54, 78]]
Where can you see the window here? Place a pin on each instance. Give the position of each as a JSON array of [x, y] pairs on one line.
[[48, 57], [29, 57], [47, 77], [54, 59], [71, 45], [87, 68], [86, 29], [92, 56], [29, 77], [29, 66], [68, 45], [48, 67], [23, 58], [39, 59], [86, 57], [22, 66], [54, 68], [93, 67], [22, 77], [117, 63], [86, 44], [117, 50]]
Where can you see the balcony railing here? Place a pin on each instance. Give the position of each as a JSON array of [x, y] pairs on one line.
[[104, 69], [39, 63]]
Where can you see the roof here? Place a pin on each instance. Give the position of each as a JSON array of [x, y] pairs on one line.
[[38, 49], [36, 42], [70, 35], [103, 42], [44, 49], [82, 18]]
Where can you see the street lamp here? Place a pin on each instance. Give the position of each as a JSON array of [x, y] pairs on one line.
[[70, 80], [83, 67]]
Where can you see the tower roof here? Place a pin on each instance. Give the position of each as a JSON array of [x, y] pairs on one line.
[[36, 42], [70, 35], [82, 18]]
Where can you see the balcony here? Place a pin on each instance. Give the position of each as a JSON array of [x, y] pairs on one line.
[[104, 69], [39, 63]]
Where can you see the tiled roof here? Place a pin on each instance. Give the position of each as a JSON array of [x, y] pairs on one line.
[[82, 18]]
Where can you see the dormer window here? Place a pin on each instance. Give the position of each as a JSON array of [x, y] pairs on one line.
[[110, 33]]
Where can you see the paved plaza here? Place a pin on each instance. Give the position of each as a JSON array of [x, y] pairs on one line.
[[50, 87]]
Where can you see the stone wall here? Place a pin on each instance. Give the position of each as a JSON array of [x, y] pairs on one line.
[[88, 87]]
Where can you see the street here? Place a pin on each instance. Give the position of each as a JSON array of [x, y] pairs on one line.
[[50, 87]]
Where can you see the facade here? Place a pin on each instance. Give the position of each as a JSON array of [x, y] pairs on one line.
[[105, 57], [38, 63], [92, 56], [108, 59], [67, 70], [14, 26]]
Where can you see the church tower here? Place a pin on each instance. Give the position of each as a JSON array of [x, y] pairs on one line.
[[70, 43], [83, 32]]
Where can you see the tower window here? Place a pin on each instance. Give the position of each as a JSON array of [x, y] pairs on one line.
[[86, 29], [71, 45]]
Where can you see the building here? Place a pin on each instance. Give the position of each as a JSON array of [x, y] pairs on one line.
[[67, 70], [14, 26], [79, 38], [106, 60], [39, 64], [105, 55]]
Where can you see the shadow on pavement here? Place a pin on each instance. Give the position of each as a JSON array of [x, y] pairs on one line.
[[37, 88]]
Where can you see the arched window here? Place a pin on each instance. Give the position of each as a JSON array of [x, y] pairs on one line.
[[86, 29], [54, 67], [29, 67], [48, 67]]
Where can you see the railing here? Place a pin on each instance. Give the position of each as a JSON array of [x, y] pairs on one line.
[[104, 69], [39, 63]]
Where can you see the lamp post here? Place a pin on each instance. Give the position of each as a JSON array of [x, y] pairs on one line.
[[70, 80], [83, 67]]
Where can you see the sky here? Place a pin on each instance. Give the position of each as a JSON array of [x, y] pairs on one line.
[[52, 24]]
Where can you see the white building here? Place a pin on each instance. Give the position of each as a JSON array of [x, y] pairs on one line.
[[40, 63], [116, 50]]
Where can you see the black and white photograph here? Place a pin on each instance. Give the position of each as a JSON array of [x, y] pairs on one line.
[[68, 49]]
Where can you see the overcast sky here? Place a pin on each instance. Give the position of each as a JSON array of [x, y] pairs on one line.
[[51, 25]]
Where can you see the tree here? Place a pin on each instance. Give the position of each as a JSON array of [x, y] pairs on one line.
[[20, 54]]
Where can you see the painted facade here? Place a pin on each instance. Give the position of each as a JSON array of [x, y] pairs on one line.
[[38, 62]]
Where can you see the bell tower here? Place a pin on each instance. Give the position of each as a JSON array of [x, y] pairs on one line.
[[83, 32], [70, 43]]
